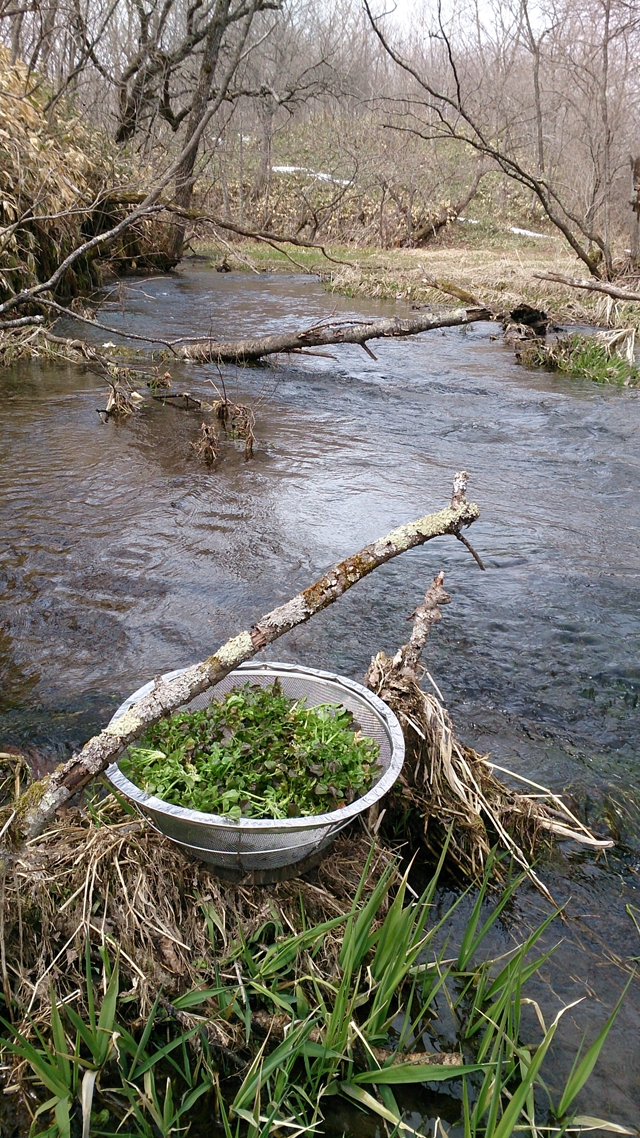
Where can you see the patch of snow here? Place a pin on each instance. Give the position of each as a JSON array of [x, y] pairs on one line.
[[530, 233], [468, 220], [304, 170]]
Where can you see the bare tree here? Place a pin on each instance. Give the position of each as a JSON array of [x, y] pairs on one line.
[[470, 87]]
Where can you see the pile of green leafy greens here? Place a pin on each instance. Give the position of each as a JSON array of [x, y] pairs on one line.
[[255, 753]]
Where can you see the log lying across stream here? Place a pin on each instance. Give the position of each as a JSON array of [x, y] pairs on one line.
[[323, 335]]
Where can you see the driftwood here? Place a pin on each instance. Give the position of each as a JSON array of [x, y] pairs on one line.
[[334, 332], [450, 787], [590, 285], [38, 805]]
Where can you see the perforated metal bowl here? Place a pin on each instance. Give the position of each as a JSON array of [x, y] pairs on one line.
[[263, 844]]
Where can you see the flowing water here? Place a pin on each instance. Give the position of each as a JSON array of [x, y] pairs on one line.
[[122, 556]]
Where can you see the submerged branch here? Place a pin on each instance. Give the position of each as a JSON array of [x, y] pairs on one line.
[[39, 804]]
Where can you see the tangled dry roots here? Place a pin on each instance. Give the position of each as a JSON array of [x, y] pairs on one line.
[[453, 790], [110, 878], [446, 781]]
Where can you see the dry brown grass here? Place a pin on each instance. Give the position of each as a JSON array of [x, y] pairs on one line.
[[500, 278], [103, 875], [61, 182]]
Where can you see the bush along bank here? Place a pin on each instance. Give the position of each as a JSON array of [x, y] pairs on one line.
[[61, 183]]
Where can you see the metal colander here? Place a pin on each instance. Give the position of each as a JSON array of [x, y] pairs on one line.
[[263, 844]]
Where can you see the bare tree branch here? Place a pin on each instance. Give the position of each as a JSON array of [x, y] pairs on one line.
[[590, 285]]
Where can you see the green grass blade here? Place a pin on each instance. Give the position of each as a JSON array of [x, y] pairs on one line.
[[400, 1073], [263, 1067], [60, 1043], [85, 1033], [162, 1051], [582, 1071], [89, 981], [519, 1097], [144, 1039], [363, 920], [466, 946], [107, 1017], [199, 996], [46, 1070], [62, 1117]]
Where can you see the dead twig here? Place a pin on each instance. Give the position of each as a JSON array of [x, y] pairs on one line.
[[452, 789]]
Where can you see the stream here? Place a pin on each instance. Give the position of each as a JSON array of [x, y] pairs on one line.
[[122, 556]]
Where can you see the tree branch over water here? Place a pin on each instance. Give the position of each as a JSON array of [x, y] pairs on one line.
[[320, 335], [38, 805]]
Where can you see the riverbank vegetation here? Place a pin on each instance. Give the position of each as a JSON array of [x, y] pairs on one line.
[[604, 358], [268, 121], [61, 182], [182, 1003]]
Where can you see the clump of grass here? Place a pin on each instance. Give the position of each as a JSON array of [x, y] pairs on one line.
[[256, 753], [604, 358], [312, 1025]]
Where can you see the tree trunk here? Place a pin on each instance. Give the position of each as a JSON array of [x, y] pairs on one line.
[[16, 29], [184, 175], [634, 221], [266, 112], [38, 805]]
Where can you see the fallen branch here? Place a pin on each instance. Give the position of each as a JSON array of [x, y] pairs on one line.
[[452, 789], [434, 224], [245, 351], [39, 803], [590, 285], [21, 322], [336, 332]]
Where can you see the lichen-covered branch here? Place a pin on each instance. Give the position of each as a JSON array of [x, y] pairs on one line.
[[425, 615], [334, 332], [38, 805]]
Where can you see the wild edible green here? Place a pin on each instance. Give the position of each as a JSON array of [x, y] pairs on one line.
[[255, 753]]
